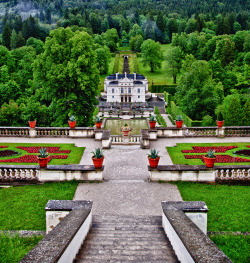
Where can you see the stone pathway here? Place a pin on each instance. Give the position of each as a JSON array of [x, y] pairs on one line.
[[125, 190]]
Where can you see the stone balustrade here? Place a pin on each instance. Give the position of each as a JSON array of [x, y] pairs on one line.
[[78, 132], [199, 173], [232, 172], [68, 223], [29, 173]]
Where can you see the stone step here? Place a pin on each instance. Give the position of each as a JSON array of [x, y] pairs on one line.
[[126, 239]]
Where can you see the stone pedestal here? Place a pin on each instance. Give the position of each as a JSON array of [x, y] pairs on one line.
[[32, 133]]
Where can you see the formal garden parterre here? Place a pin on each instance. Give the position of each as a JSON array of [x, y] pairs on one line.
[[59, 154], [193, 154]]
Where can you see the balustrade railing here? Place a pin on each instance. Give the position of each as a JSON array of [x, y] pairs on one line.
[[133, 139], [240, 131], [16, 174], [52, 132], [200, 131], [14, 131], [236, 173]]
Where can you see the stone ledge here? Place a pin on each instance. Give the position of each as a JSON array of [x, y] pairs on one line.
[[187, 206], [53, 245], [67, 205], [184, 234]]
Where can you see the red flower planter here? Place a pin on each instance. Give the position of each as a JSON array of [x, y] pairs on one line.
[[72, 124], [98, 162], [220, 124], [43, 161], [153, 163], [209, 162], [98, 125], [125, 133], [32, 124], [152, 124], [179, 124]]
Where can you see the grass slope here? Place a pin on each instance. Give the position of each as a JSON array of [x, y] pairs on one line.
[[110, 71], [177, 156], [160, 77], [228, 211], [235, 247], [74, 157], [13, 249], [23, 207], [228, 204]]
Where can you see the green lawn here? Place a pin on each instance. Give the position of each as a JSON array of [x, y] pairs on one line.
[[110, 71], [235, 247], [177, 156], [159, 76], [23, 207], [13, 249], [74, 157], [228, 211]]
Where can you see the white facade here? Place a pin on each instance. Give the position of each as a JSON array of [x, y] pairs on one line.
[[126, 87]]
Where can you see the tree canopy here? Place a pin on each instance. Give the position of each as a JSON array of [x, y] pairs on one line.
[[66, 76]]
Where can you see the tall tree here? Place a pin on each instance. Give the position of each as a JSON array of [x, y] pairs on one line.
[[152, 54], [66, 76], [6, 36], [174, 59]]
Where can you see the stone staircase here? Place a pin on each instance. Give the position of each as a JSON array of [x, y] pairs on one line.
[[126, 239]]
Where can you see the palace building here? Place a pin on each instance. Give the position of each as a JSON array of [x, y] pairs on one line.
[[126, 87]]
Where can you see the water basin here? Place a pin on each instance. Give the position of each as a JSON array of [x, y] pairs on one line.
[[135, 124]]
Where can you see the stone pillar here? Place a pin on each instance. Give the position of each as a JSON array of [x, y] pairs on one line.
[[125, 139], [32, 133], [220, 132]]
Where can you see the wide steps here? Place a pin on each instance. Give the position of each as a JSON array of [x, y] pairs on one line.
[[126, 239]]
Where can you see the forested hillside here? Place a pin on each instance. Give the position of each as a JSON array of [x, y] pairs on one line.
[[41, 77]]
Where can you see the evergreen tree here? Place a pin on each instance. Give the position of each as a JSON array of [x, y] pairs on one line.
[[6, 36], [233, 113], [160, 22], [246, 114], [13, 39]]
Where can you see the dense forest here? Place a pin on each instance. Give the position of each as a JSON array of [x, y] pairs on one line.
[[52, 52]]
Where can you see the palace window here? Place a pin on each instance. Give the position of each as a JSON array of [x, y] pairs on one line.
[[113, 90], [122, 90], [138, 90], [129, 90]]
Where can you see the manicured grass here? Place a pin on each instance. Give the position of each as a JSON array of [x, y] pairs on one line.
[[235, 247], [23, 207], [13, 249], [177, 156], [74, 157], [228, 204], [110, 71], [160, 76]]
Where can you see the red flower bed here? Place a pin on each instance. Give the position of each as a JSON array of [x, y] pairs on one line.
[[31, 159], [3, 146], [218, 149], [219, 158], [36, 149]]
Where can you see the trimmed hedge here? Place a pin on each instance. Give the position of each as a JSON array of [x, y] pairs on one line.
[[167, 97], [188, 122], [159, 118], [171, 89], [116, 65], [135, 62]]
